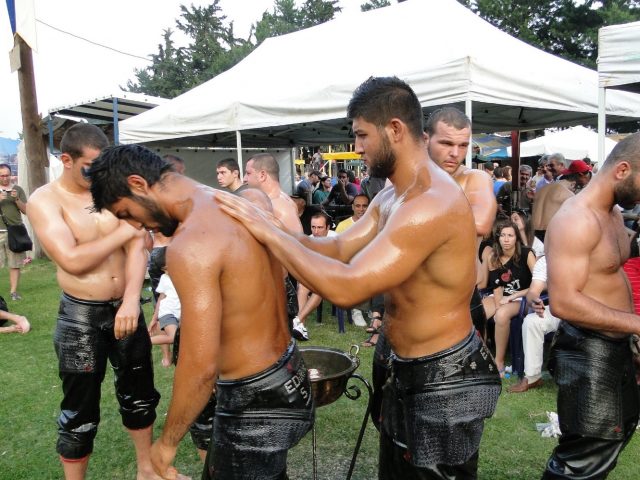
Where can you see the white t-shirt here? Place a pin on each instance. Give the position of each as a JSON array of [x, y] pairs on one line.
[[538, 247], [540, 270], [331, 233], [170, 304]]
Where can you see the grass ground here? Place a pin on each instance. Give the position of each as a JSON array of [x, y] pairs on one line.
[[30, 395]]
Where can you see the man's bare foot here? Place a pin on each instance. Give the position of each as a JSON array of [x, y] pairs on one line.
[[166, 362], [23, 324], [153, 476]]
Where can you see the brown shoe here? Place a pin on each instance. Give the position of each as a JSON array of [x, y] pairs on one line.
[[524, 386]]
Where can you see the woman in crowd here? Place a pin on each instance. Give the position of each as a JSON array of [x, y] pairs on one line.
[[510, 267], [323, 190], [526, 234]]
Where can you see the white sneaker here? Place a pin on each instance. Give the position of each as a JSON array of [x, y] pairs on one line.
[[358, 319], [299, 330]]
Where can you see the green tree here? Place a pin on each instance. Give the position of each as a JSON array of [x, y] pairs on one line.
[[213, 47], [565, 28], [286, 17], [165, 77], [373, 4]]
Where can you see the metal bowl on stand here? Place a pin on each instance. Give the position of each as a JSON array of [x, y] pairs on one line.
[[329, 371]]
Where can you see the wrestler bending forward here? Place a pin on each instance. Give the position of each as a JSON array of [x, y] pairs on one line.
[[233, 326], [417, 244]]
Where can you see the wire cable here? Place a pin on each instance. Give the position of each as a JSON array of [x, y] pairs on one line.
[[92, 42]]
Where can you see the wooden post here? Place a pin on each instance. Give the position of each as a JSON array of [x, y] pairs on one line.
[[34, 143]]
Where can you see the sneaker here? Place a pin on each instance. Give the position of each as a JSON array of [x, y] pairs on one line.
[[358, 318], [299, 330], [16, 296]]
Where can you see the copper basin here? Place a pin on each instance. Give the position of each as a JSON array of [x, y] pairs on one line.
[[329, 370]]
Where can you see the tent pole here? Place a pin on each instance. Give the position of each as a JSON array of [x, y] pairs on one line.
[[116, 129], [50, 127], [602, 123], [239, 152], [467, 110]]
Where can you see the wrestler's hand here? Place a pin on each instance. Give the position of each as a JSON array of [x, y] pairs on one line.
[[259, 222], [126, 319], [162, 457]]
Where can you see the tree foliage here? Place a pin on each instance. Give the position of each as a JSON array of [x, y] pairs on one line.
[[373, 4], [213, 46], [566, 28]]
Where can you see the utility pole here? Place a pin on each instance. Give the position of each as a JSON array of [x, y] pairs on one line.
[[33, 140]]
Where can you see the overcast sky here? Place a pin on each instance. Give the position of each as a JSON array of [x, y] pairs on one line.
[[69, 70]]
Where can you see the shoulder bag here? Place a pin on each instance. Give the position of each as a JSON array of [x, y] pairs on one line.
[[18, 237]]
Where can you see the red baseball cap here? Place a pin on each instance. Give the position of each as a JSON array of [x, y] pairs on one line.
[[577, 166]]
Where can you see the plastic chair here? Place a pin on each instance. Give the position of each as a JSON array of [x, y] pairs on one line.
[[337, 312]]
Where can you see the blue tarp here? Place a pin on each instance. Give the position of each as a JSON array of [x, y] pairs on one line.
[[8, 146]]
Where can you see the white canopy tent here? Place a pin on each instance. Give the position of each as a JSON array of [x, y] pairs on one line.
[[501, 82], [574, 143], [618, 68]]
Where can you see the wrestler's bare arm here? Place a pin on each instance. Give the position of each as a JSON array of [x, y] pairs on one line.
[[344, 246], [479, 191], [568, 274], [195, 273], [410, 236], [126, 320], [45, 215]]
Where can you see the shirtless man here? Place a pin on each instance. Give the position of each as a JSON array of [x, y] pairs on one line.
[[233, 327], [100, 268], [263, 172], [448, 133], [591, 358], [547, 202], [417, 236]]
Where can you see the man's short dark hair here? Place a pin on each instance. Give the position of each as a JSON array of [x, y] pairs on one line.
[[109, 172], [361, 195], [449, 116], [230, 164], [81, 136], [268, 163], [173, 159], [379, 99], [328, 221], [627, 149], [7, 166], [315, 172]]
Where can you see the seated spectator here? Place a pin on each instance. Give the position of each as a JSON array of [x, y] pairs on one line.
[[307, 300], [359, 207], [526, 233], [510, 267], [12, 323], [535, 326], [343, 191], [166, 316], [322, 192]]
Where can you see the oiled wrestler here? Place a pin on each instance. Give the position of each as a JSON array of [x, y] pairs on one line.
[[416, 236], [100, 267], [233, 326]]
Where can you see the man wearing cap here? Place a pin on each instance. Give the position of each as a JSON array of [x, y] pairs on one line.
[[549, 199]]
